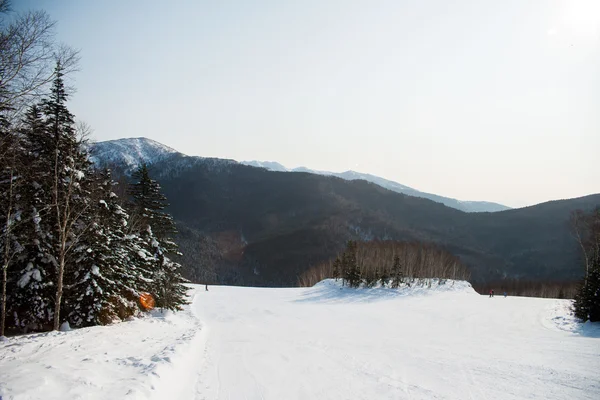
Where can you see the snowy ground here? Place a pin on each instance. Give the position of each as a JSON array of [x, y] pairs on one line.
[[319, 343]]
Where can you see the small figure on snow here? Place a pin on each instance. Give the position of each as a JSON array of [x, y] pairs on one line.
[[206, 287], [504, 294], [491, 293]]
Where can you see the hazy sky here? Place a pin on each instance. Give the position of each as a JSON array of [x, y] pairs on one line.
[[476, 100]]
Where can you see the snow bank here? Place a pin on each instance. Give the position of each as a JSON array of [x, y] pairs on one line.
[[149, 357], [561, 315], [332, 290]]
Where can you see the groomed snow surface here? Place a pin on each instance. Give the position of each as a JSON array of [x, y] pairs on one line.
[[325, 342]]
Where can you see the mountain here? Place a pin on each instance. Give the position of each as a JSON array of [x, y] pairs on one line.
[[467, 206], [250, 226], [127, 154]]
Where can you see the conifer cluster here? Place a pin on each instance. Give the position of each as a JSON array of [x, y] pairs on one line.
[[71, 250]]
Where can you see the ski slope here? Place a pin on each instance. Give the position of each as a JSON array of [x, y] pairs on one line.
[[325, 342]]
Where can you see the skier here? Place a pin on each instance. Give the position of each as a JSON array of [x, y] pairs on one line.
[[491, 293], [206, 287], [505, 294]]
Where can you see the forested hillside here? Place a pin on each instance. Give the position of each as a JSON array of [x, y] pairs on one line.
[[246, 225]]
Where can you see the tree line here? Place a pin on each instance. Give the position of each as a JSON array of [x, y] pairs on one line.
[[390, 263], [529, 288], [71, 250]]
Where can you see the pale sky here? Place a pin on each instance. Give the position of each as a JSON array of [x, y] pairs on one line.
[[476, 100]]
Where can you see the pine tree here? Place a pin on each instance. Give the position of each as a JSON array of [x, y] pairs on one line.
[[148, 205], [156, 229], [103, 284], [55, 202], [337, 264], [384, 276], [350, 265], [69, 197], [587, 301], [396, 273], [31, 281]]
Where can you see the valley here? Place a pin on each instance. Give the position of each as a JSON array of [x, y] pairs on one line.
[[231, 217]]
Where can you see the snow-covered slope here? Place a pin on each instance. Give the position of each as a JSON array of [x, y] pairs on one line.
[[129, 152], [270, 165], [139, 359], [325, 342]]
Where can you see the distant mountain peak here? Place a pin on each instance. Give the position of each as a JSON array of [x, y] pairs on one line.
[[129, 152]]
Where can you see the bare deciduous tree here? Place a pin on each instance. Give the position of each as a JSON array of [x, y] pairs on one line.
[[28, 53], [416, 260], [8, 174]]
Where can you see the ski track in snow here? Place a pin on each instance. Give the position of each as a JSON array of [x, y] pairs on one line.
[[325, 342]]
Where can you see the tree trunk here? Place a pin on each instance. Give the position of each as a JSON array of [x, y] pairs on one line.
[[4, 277], [6, 258], [59, 289]]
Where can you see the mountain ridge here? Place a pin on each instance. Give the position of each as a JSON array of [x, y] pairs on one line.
[[463, 205], [128, 153]]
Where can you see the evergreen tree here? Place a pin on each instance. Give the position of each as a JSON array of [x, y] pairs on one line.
[[56, 201], [350, 265], [32, 279], [148, 205], [337, 265], [587, 301], [70, 199], [156, 229], [103, 282], [384, 276], [397, 275]]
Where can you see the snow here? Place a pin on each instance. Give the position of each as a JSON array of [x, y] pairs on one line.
[[435, 341], [31, 272], [146, 358], [131, 151], [65, 327]]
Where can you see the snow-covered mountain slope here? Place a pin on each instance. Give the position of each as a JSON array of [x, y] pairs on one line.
[[467, 206], [129, 152], [270, 165], [324, 342]]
